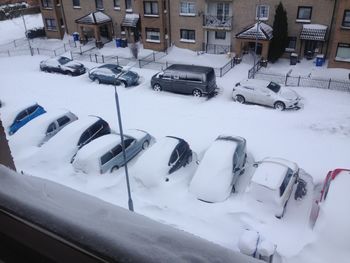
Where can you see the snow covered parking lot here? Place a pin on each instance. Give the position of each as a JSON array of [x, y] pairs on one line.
[[315, 137]]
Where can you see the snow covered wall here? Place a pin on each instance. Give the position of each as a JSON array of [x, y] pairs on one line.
[[101, 227]]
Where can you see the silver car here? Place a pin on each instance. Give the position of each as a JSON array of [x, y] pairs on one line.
[[105, 153], [266, 93]]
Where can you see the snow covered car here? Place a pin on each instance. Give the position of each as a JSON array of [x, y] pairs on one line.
[[62, 65], [266, 93], [273, 182], [219, 169], [74, 136], [114, 74], [24, 116], [165, 157], [44, 127], [105, 153]]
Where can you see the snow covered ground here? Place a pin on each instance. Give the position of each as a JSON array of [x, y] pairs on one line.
[[316, 137]]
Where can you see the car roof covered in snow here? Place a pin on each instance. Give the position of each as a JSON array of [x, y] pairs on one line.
[[190, 68], [272, 171], [255, 82]]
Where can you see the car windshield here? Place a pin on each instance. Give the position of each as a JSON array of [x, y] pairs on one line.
[[63, 60], [274, 87]]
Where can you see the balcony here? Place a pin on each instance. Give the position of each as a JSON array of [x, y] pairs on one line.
[[217, 23]]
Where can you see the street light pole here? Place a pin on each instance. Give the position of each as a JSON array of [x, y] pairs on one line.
[[130, 203], [25, 31]]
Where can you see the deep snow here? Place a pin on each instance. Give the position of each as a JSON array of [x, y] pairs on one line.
[[315, 137]]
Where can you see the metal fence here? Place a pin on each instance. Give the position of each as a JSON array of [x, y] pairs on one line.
[[304, 81], [101, 58]]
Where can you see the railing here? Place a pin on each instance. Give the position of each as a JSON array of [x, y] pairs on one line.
[[216, 22], [216, 49]]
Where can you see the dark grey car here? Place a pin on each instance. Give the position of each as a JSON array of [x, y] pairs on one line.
[[114, 74], [186, 79]]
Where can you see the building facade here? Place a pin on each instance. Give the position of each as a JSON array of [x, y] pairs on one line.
[[213, 26], [339, 48]]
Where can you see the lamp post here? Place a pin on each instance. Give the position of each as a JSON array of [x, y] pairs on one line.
[[130, 203], [25, 32]]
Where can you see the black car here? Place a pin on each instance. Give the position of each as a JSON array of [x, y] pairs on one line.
[[186, 79], [165, 157], [62, 65]]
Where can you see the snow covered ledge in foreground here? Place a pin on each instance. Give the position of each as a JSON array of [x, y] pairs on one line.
[[101, 227]]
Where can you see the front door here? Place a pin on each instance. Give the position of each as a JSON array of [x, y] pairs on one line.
[[310, 46]]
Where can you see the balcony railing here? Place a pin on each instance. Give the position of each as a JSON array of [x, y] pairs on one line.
[[216, 49], [215, 22]]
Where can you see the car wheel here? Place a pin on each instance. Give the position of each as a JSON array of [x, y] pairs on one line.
[[68, 73], [97, 80], [240, 99], [114, 168], [145, 145], [283, 212], [122, 84], [279, 105], [189, 159], [197, 93], [157, 87]]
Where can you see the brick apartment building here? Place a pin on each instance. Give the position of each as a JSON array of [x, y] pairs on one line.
[[214, 26]]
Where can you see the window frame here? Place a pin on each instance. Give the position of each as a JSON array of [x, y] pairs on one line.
[[298, 19], [257, 12], [74, 2], [187, 9], [99, 2], [287, 179], [186, 33], [128, 5], [346, 24], [221, 38], [47, 4], [153, 13], [342, 45], [116, 6], [52, 26], [152, 30]]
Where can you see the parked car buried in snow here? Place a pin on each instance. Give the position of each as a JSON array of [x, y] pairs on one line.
[[186, 79], [44, 127], [165, 157], [24, 116], [105, 153], [273, 182], [62, 65], [219, 170], [266, 93], [114, 74]]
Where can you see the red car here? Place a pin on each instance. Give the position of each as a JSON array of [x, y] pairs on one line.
[[332, 175]]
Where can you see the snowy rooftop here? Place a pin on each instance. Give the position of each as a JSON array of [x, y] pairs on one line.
[[264, 32], [130, 20], [313, 32], [94, 18]]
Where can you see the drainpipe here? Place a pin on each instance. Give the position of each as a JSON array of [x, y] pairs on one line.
[[331, 28], [168, 23], [64, 18]]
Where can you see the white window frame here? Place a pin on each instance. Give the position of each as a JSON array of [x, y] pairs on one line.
[[116, 6], [188, 40], [343, 46], [186, 9], [152, 32], [49, 26], [259, 13], [152, 13], [76, 6]]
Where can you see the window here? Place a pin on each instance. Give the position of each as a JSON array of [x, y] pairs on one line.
[[346, 19], [50, 24], [187, 8], [150, 8], [128, 5], [153, 35], [292, 43], [84, 138], [21, 115], [76, 3], [274, 87], [117, 150], [106, 157], [262, 12], [304, 13], [343, 52], [99, 4], [128, 142], [286, 181], [116, 4], [51, 128], [47, 3], [187, 35], [220, 35], [63, 120], [222, 11]]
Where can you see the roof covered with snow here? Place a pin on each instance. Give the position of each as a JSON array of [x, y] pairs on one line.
[[130, 20], [94, 18], [260, 30], [313, 32]]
